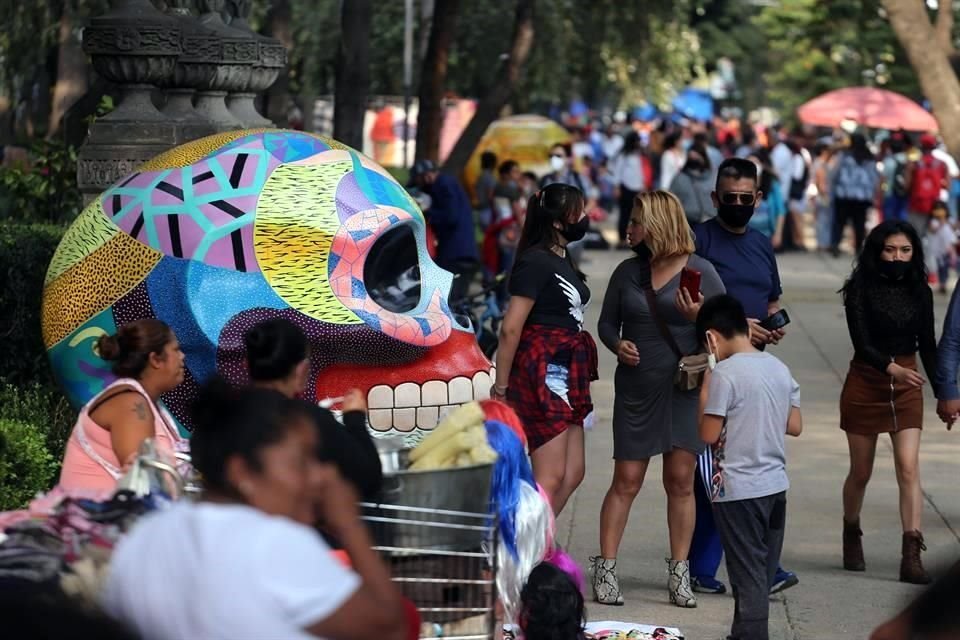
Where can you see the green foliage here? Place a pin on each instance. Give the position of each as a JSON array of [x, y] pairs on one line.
[[26, 466], [25, 253], [43, 407], [45, 191], [814, 47]]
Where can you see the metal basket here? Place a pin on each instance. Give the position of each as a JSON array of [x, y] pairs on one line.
[[453, 589], [455, 492]]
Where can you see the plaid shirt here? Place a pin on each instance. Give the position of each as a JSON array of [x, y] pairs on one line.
[[546, 415]]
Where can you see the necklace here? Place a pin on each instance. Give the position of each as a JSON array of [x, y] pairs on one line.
[[560, 251]]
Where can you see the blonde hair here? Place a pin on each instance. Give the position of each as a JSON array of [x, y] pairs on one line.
[[665, 226]]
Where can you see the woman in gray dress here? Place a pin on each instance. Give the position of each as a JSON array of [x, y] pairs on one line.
[[650, 415]]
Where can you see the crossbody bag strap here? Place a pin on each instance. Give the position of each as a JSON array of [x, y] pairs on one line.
[[661, 325]]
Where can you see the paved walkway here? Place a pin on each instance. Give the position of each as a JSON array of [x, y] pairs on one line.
[[829, 602]]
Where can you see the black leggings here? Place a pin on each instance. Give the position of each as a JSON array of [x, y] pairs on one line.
[[856, 212], [626, 207]]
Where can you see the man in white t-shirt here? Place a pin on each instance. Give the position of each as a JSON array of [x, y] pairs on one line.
[[748, 404]]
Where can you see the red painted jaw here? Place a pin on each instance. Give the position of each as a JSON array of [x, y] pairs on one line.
[[416, 395]]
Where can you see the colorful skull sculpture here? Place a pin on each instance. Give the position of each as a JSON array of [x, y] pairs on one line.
[[221, 233]]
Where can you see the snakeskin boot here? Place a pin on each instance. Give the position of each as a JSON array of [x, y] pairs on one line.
[[678, 584], [603, 577]]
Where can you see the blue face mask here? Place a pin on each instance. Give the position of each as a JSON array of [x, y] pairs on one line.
[[686, 143]]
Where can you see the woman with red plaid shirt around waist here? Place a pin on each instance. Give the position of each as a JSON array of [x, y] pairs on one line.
[[546, 361]]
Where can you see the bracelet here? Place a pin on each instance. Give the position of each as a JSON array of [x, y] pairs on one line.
[[498, 390]]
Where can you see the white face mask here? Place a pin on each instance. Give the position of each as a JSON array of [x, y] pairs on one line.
[[557, 163], [711, 355]]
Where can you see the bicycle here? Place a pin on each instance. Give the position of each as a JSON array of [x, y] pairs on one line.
[[481, 311]]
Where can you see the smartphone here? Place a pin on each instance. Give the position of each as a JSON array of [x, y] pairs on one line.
[[690, 280], [777, 321]]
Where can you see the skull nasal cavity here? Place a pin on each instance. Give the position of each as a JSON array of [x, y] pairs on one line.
[[391, 273]]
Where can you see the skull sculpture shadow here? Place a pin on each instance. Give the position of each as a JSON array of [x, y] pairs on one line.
[[223, 232]]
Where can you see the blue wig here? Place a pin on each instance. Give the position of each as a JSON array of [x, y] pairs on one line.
[[512, 468]]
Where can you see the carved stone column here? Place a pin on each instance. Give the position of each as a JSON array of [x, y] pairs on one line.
[[271, 61], [136, 47], [238, 54]]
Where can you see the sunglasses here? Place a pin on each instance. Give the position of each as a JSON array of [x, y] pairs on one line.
[[737, 197]]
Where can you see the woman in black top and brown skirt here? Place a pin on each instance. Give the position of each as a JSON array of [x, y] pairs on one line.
[[889, 309]]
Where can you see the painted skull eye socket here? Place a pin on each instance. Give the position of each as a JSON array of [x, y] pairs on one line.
[[391, 274]]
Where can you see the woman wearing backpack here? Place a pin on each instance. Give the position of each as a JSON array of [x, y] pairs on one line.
[[854, 189]]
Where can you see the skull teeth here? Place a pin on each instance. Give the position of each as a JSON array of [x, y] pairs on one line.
[[411, 406]]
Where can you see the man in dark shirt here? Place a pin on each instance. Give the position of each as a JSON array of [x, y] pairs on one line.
[[742, 255], [744, 259], [451, 217]]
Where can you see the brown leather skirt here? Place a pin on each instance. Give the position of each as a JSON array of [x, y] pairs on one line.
[[869, 405]]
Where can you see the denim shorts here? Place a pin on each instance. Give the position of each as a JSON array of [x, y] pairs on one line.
[[557, 380]]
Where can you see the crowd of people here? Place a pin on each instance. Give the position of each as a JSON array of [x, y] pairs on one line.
[[723, 438], [690, 314]]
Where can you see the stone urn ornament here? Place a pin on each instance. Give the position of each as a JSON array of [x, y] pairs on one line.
[[271, 61], [195, 69], [237, 55], [136, 47]]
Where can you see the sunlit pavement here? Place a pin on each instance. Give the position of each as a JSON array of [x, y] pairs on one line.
[[828, 602]]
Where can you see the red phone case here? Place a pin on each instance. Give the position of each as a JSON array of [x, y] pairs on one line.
[[690, 280]]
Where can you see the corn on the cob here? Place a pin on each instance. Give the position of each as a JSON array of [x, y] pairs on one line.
[[460, 442], [458, 420]]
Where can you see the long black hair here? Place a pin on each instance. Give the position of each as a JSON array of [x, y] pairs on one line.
[[274, 348], [867, 268], [859, 149], [556, 202], [631, 143], [551, 606]]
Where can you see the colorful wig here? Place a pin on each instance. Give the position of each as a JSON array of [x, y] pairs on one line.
[[501, 412]]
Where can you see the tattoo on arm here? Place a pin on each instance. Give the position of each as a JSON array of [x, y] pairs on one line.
[[141, 410]]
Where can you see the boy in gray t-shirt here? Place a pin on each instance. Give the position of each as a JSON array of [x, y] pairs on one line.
[[747, 405]]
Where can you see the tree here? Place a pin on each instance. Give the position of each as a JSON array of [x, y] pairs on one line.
[[71, 82], [911, 22], [353, 72], [433, 79], [499, 95]]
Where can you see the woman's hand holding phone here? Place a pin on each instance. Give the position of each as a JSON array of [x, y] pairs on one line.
[[687, 305]]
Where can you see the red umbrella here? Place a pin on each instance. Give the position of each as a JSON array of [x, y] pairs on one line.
[[875, 108]]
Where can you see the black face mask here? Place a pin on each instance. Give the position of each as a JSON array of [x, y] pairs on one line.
[[642, 250], [694, 165], [576, 231], [895, 269], [735, 216]]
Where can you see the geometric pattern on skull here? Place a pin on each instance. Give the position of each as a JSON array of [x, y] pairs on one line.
[[294, 228]]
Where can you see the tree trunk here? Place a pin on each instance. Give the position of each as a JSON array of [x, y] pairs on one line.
[[71, 72], [941, 86], [499, 95], [277, 100], [433, 79], [944, 27], [353, 72]]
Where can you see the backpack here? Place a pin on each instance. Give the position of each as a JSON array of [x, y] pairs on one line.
[[855, 180], [927, 180], [899, 187]]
